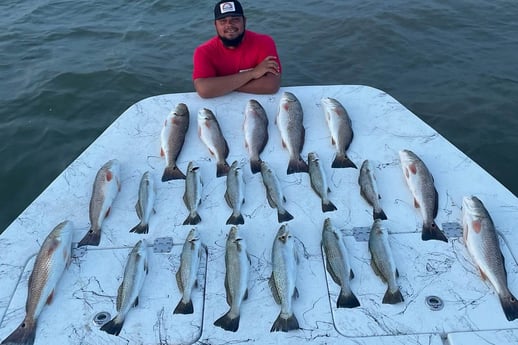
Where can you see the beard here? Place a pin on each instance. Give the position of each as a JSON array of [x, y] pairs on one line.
[[232, 42]]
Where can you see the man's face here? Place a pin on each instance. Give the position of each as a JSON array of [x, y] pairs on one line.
[[231, 30]]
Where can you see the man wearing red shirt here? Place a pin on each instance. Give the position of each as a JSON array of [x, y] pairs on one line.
[[235, 59]]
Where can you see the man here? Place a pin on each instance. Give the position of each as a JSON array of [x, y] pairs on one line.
[[235, 59]]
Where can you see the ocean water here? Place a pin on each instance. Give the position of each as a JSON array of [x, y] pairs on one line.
[[68, 69]]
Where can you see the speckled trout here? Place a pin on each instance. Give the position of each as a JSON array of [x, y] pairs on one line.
[[145, 203], [369, 189], [235, 193], [255, 128], [211, 135]]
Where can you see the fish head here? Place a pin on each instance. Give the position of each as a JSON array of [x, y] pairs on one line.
[[366, 166], [234, 166], [313, 156], [63, 231], [472, 207], [193, 235], [232, 234], [181, 110], [205, 114], [265, 168], [283, 234]]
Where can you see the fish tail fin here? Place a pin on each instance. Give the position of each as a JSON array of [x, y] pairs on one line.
[[184, 307], [432, 232], [342, 161], [192, 219], [114, 326], [92, 238], [255, 166], [297, 165], [172, 173], [285, 324], [140, 228], [347, 299], [379, 214], [23, 334], [222, 169], [392, 297], [228, 322], [283, 216], [328, 206], [236, 219], [510, 307]]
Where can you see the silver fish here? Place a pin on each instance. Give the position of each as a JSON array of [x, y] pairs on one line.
[[186, 276], [210, 134], [382, 262], [106, 187], [51, 261], [274, 194], [421, 184], [319, 182], [235, 193], [192, 194], [255, 127], [135, 273], [145, 203], [481, 240], [237, 265], [289, 121], [282, 280], [342, 134], [172, 138], [369, 189], [337, 264]]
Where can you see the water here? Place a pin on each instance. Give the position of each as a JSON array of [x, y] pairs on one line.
[[70, 68]]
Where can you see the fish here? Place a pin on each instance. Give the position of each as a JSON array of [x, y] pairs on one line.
[[237, 267], [235, 193], [210, 134], [369, 189], [289, 121], [192, 194], [319, 182], [186, 276], [51, 262], [426, 199], [106, 187], [172, 138], [481, 240], [342, 134], [255, 128], [145, 203], [338, 265], [274, 194], [382, 262], [135, 272], [282, 280]]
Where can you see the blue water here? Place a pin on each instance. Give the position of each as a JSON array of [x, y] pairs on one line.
[[69, 68]]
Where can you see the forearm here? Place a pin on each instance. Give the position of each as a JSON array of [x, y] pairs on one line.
[[219, 86], [267, 84]]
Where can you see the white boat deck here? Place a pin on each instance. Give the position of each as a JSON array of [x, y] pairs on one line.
[[470, 314]]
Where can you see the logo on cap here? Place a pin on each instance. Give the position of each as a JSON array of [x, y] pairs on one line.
[[227, 7]]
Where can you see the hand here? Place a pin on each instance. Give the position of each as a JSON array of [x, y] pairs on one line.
[[268, 65]]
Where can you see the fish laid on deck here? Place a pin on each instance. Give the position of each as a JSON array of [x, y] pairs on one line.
[[172, 138], [192, 194], [255, 128], [235, 193], [369, 189], [211, 135], [319, 182], [145, 203], [274, 195]]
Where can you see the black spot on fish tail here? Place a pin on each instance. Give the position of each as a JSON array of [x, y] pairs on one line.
[[227, 322], [510, 307], [184, 308], [23, 334], [236, 219], [113, 326], [92, 238], [328, 206], [140, 228], [285, 325], [172, 173], [283, 216], [432, 232], [347, 300], [342, 161], [192, 219], [297, 165], [379, 214], [392, 297], [222, 169], [255, 166]]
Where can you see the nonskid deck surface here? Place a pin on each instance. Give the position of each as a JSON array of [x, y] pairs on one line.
[[444, 296]]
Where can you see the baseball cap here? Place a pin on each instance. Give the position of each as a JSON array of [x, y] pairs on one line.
[[228, 8]]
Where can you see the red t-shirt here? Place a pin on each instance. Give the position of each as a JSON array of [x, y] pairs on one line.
[[213, 59]]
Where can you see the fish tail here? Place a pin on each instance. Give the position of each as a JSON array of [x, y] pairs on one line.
[[227, 322], [328, 206], [192, 219], [510, 306], [114, 326], [283, 216], [379, 214], [140, 228], [184, 307], [347, 299], [222, 169], [255, 166], [236, 219], [297, 165], [342, 161], [23, 334], [172, 173], [432, 232], [92, 238], [392, 297], [285, 324]]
